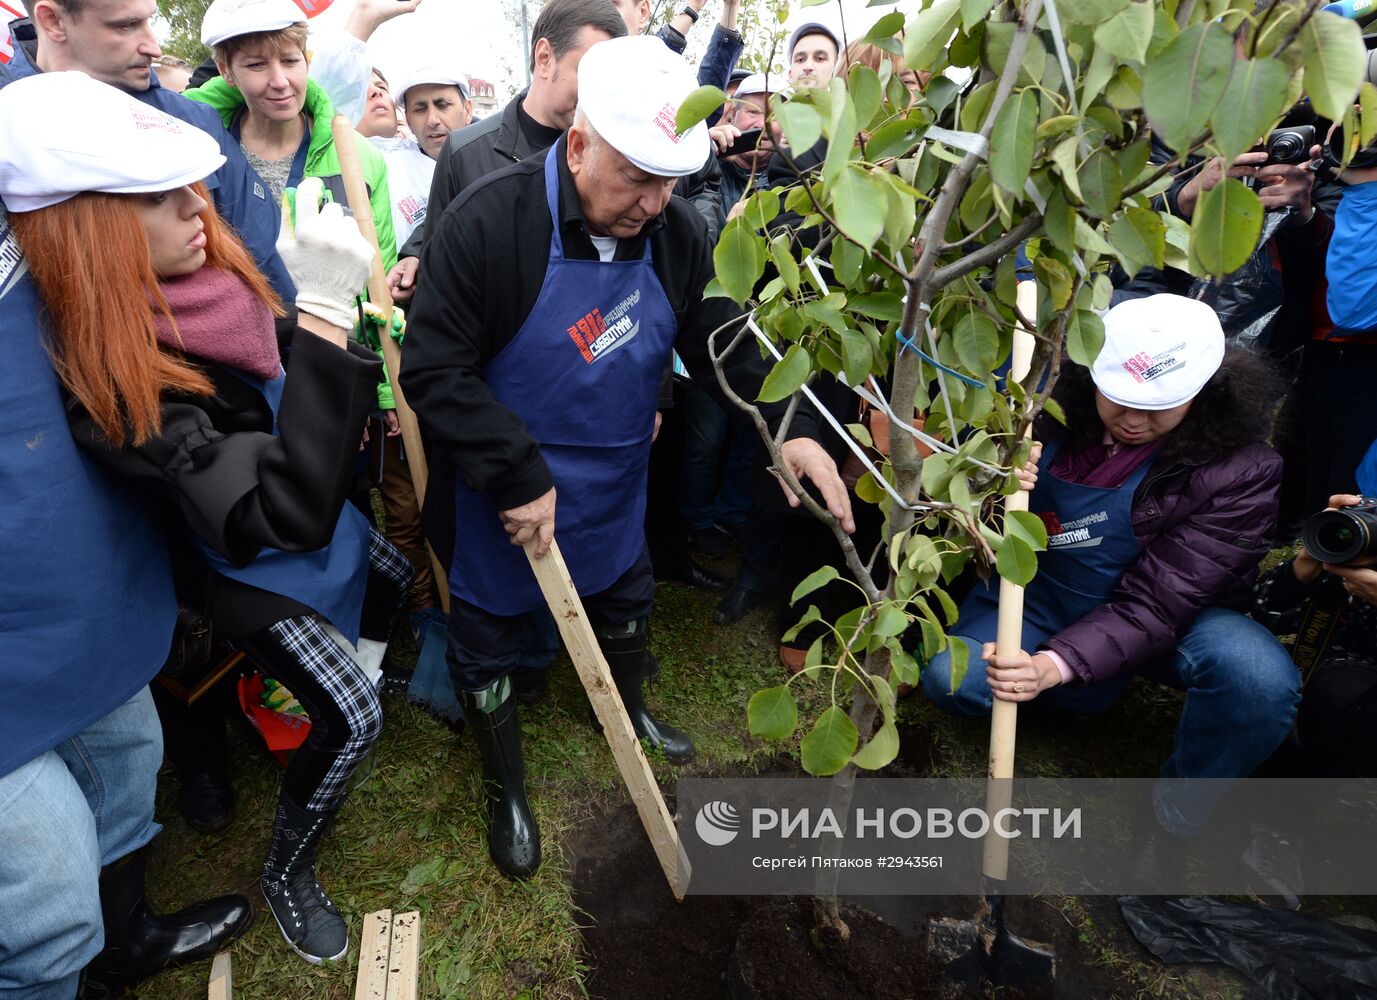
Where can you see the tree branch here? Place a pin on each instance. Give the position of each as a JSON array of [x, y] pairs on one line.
[[987, 254]]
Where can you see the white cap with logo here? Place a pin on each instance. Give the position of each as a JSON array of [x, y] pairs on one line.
[[226, 19], [429, 71], [1159, 351], [630, 90], [122, 147], [759, 83]]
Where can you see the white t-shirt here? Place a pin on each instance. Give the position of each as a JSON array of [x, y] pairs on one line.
[[409, 173], [605, 245]]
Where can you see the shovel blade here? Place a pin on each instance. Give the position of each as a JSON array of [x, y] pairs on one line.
[[972, 952]]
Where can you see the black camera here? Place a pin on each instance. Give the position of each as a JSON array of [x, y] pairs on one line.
[[1343, 537], [1289, 145]]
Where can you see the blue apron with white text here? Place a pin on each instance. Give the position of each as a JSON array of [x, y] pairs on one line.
[[1090, 544], [331, 580], [583, 373]]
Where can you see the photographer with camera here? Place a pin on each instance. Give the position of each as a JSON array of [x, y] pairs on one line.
[[1327, 598]]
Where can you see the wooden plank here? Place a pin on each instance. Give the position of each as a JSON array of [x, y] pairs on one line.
[[404, 967], [221, 979], [375, 952], [381, 296], [558, 587]]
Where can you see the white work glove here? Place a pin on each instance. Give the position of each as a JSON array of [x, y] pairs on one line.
[[326, 255]]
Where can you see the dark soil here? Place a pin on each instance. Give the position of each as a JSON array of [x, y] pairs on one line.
[[640, 943]]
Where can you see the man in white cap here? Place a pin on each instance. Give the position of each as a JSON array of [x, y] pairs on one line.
[[113, 41], [752, 100], [552, 296], [434, 97]]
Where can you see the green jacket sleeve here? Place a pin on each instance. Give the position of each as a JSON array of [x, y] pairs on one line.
[[380, 199]]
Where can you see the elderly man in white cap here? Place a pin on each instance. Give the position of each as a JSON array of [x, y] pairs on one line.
[[553, 295]]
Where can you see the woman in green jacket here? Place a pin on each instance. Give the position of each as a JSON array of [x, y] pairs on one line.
[[281, 118]]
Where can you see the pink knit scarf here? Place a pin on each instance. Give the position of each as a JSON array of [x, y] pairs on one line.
[[219, 318]]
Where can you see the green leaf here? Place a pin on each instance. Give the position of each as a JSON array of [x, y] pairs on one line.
[[977, 342], [1127, 33], [887, 306], [786, 376], [1028, 527], [1055, 126], [886, 27], [1012, 142], [697, 106], [422, 875], [1226, 227], [802, 125], [1367, 103], [1060, 222], [1183, 85], [974, 11], [1139, 237], [1065, 157], [863, 83], [1016, 561], [1254, 99], [830, 744], [927, 32], [960, 655], [999, 38], [1335, 63], [784, 261], [856, 356], [1102, 186], [932, 638], [1054, 410], [814, 580], [841, 133], [1054, 276], [860, 203], [889, 622], [881, 750], [772, 713], [1090, 11], [1084, 338], [738, 260]]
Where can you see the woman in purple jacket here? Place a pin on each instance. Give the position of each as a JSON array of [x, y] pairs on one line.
[[1159, 497]]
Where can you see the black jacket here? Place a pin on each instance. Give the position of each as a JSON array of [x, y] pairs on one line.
[[480, 277], [472, 153], [221, 475]]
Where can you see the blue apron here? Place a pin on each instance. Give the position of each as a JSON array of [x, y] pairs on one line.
[[331, 580], [86, 601], [1090, 544], [583, 373]]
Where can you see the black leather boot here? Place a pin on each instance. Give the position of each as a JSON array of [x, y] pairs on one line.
[[513, 837], [139, 942], [628, 657], [305, 915], [1156, 863]]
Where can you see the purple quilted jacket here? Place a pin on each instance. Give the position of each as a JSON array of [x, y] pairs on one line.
[[1203, 530]]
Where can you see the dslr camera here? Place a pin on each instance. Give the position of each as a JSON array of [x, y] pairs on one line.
[[1343, 537]]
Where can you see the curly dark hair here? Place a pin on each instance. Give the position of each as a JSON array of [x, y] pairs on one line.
[[1237, 407]]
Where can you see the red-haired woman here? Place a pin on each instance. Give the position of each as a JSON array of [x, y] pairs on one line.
[[163, 335]]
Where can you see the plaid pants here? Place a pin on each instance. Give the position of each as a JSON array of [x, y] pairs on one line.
[[343, 705]]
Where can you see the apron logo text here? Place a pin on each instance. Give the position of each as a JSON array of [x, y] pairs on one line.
[[596, 337]]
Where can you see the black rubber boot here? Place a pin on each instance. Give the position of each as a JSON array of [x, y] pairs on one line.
[[1156, 863], [139, 942], [629, 659], [304, 914], [513, 837]]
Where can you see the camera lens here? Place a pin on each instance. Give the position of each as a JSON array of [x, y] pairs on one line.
[[1285, 149], [1336, 536]]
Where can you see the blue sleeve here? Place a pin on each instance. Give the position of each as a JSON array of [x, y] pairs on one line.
[[724, 49], [670, 36], [1350, 270]]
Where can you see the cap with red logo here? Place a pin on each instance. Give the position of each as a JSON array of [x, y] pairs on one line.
[[630, 90], [122, 146], [1159, 351]]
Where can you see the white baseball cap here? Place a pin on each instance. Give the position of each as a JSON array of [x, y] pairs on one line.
[[226, 19], [630, 90], [1159, 351], [429, 72], [758, 83], [121, 146]]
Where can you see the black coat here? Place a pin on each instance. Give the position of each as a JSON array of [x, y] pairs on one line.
[[219, 473]]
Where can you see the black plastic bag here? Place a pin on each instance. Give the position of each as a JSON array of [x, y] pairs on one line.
[[1290, 956], [1248, 301]]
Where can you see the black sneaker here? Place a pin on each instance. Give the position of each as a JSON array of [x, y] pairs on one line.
[[711, 542], [1272, 866], [304, 914]]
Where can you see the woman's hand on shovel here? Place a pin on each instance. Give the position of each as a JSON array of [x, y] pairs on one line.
[[1018, 676], [1028, 475]]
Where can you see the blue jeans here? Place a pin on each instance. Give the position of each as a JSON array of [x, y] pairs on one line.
[[81, 805], [1241, 695]]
